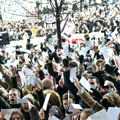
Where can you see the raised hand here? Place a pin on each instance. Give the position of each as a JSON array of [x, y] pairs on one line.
[[13, 71], [42, 114]]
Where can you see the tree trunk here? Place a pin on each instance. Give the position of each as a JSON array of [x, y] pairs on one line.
[[90, 2], [58, 28], [81, 3]]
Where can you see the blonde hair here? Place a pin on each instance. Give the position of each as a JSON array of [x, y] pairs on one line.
[[54, 98], [113, 98]]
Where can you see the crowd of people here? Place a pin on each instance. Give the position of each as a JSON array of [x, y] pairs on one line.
[[80, 81]]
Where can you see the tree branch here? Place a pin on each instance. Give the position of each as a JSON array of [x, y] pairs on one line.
[[60, 21], [16, 14], [25, 9], [56, 4], [61, 3], [52, 6]]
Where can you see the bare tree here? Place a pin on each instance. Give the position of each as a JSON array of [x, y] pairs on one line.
[[57, 8]]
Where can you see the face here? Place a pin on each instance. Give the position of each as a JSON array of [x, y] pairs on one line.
[[83, 116], [93, 83], [16, 117], [66, 103], [13, 97], [25, 107], [61, 83]]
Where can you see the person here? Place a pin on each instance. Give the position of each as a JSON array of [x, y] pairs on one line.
[[55, 67], [86, 113], [28, 45], [94, 82], [83, 28], [14, 95], [29, 110], [17, 115], [108, 100], [67, 101], [55, 111]]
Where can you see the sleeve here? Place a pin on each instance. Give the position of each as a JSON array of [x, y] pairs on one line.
[[89, 100], [99, 75], [41, 75], [70, 86], [34, 114], [4, 104], [16, 85], [66, 75], [117, 85], [51, 71], [14, 82], [4, 84], [41, 97], [7, 79], [61, 90]]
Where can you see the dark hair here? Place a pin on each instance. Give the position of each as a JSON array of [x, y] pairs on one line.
[[73, 64], [93, 77], [65, 96], [99, 60], [110, 69], [28, 40]]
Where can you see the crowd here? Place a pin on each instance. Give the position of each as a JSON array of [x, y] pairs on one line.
[[77, 82]]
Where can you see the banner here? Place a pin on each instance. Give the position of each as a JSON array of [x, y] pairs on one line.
[[96, 35], [68, 27], [75, 38]]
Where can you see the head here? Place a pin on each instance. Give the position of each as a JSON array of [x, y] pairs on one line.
[[14, 95], [54, 98], [67, 102], [99, 61], [111, 100], [34, 88], [73, 64], [26, 106], [47, 83], [55, 111], [110, 85], [94, 82], [86, 113], [17, 115]]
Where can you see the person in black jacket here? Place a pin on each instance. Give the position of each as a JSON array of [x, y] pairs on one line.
[[28, 45], [70, 86], [17, 114], [14, 95]]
